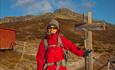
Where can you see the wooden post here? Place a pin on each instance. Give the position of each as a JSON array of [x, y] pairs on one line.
[[89, 17], [90, 41], [22, 56], [108, 67], [104, 26], [90, 47], [23, 50]]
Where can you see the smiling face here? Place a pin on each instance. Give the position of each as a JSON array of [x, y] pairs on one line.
[[52, 29]]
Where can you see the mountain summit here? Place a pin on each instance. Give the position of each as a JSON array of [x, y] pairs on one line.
[[67, 14]]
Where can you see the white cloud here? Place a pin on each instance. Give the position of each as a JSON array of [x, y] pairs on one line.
[[24, 2], [40, 7], [43, 6], [34, 6]]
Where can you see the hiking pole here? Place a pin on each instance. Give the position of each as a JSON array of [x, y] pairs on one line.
[[85, 45], [86, 63], [86, 58]]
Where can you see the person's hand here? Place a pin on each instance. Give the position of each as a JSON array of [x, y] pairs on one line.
[[87, 52]]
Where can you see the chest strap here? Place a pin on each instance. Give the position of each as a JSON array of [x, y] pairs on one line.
[[58, 44]]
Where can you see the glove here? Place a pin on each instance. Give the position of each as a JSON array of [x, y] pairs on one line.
[[87, 52]]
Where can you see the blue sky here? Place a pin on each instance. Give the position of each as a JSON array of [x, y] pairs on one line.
[[102, 9]]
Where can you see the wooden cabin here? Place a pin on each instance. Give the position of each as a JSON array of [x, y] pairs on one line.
[[7, 38]]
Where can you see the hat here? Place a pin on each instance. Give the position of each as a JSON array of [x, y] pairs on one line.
[[54, 22]]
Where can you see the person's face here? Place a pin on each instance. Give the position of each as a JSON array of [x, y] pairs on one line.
[[52, 29]]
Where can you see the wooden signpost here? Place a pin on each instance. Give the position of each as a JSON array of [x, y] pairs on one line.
[[88, 27]]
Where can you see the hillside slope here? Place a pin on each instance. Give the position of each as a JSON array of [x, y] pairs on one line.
[[36, 28]]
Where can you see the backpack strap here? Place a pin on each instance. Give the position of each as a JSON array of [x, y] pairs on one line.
[[59, 41], [45, 54], [45, 44]]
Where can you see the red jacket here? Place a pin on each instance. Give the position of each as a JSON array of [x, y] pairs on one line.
[[55, 54]]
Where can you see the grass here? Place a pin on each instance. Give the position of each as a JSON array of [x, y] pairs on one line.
[[9, 59]]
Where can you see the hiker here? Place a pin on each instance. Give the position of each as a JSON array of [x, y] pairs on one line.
[[51, 52]]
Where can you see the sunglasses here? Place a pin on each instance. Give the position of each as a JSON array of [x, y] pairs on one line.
[[52, 27]]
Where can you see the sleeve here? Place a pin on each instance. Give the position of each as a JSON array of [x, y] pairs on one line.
[[40, 56], [68, 45]]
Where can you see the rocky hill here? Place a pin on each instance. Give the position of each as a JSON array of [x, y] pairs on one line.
[[35, 27], [63, 13]]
